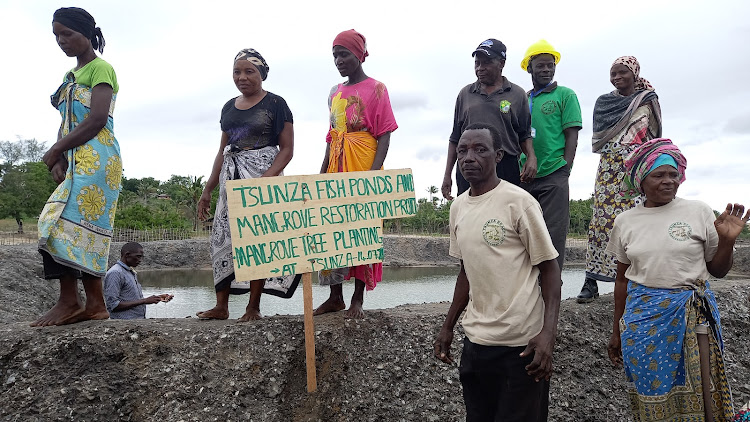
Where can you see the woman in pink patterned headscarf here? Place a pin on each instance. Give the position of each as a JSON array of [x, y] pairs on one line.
[[667, 328]]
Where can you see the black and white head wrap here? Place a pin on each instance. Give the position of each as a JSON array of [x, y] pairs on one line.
[[255, 58], [82, 22]]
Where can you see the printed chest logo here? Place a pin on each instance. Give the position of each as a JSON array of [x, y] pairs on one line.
[[680, 231], [505, 106], [493, 232], [549, 107]]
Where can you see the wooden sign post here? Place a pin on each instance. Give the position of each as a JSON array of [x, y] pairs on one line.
[[299, 224]]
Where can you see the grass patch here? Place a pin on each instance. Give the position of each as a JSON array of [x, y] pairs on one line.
[[10, 225]]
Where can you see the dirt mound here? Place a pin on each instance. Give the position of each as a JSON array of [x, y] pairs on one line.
[[377, 369], [23, 292]]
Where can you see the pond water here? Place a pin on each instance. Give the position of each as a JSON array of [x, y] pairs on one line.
[[193, 291]]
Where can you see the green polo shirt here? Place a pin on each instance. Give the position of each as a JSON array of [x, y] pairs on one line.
[[553, 110]]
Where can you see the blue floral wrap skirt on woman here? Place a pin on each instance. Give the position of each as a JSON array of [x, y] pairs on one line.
[[661, 357], [75, 226]]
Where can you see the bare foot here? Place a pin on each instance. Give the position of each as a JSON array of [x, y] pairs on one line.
[[85, 315], [95, 308], [214, 313], [330, 305], [250, 315], [59, 312], [355, 310]]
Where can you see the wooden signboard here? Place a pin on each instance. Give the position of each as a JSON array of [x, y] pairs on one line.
[[299, 224]]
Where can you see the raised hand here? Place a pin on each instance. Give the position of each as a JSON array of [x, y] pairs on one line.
[[730, 223]]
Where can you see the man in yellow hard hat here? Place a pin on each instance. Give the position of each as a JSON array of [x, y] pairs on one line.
[[495, 101], [555, 122]]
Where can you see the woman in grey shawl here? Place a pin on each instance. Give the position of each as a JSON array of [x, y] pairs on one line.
[[623, 119], [257, 140]]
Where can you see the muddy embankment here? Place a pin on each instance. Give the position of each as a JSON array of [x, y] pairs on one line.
[[377, 369]]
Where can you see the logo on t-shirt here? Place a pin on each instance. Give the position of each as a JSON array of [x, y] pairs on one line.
[[493, 232], [680, 231], [505, 106], [549, 107]]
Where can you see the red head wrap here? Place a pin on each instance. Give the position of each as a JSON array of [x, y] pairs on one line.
[[354, 42]]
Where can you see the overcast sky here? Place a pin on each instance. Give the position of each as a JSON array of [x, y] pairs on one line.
[[174, 65]]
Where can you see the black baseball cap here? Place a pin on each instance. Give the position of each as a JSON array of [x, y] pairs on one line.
[[492, 48]]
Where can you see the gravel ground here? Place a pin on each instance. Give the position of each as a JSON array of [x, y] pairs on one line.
[[377, 369]]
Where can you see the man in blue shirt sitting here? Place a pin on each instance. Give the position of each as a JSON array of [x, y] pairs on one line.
[[122, 291]]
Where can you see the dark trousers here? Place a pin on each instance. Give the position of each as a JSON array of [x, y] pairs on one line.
[[497, 388], [53, 270], [553, 194], [507, 169]]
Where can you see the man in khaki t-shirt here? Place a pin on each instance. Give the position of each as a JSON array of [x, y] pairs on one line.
[[509, 284]]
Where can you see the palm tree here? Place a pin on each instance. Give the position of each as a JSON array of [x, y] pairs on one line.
[[192, 194], [432, 190]]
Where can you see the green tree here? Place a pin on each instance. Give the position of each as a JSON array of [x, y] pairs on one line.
[[161, 214], [186, 192], [22, 150], [24, 189], [142, 207], [33, 150], [129, 185], [429, 219], [580, 216], [25, 183], [148, 187], [11, 152], [174, 186], [193, 195]]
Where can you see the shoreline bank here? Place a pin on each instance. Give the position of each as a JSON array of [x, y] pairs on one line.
[[376, 369], [379, 368]]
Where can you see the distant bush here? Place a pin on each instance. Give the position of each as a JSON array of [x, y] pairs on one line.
[[433, 217], [580, 216], [179, 194], [156, 214]]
